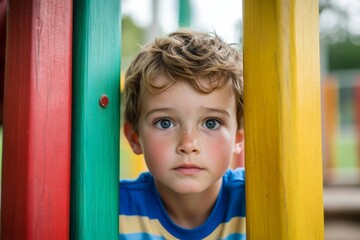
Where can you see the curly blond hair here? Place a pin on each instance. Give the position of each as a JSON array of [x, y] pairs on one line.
[[187, 55]]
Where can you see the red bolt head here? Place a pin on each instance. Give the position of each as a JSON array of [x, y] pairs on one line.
[[104, 101]]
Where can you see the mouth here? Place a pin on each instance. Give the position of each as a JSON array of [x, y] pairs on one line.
[[188, 169]]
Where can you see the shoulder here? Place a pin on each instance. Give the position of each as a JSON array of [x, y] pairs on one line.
[[139, 197], [142, 180], [137, 188], [234, 193], [133, 192], [234, 177], [234, 188]]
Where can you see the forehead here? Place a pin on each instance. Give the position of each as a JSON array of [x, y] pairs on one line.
[[183, 95], [204, 85]]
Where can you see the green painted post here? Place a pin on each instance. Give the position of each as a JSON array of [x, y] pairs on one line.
[[184, 13], [96, 124]]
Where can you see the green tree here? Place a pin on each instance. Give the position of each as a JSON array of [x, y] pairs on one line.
[[132, 39]]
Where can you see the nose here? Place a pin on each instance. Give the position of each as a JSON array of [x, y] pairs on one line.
[[188, 142]]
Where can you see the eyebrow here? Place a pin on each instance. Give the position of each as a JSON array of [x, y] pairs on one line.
[[157, 110], [221, 111]]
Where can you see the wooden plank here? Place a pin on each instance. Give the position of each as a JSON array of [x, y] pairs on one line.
[[185, 10], [282, 120], [3, 4], [37, 120], [95, 155]]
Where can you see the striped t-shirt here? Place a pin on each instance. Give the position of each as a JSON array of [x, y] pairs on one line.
[[142, 214]]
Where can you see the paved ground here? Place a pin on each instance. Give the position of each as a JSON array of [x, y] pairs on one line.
[[342, 213], [342, 230]]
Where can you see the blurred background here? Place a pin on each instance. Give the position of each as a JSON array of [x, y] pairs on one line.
[[143, 20]]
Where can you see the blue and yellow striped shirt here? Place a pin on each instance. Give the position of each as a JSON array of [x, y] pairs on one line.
[[142, 214]]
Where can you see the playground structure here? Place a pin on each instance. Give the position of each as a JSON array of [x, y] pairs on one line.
[[341, 140], [61, 120]]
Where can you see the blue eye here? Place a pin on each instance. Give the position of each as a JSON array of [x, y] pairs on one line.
[[212, 124], [164, 124]]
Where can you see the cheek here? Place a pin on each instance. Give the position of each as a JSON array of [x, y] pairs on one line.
[[220, 146], [157, 152]]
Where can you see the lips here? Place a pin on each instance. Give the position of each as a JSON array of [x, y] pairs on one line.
[[188, 169]]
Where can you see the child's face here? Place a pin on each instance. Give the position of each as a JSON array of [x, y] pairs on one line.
[[188, 138]]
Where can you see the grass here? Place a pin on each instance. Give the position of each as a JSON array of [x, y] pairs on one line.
[[346, 151]]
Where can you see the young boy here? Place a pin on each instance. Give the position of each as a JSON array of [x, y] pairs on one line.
[[183, 103]]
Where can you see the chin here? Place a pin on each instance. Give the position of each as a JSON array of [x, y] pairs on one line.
[[188, 189]]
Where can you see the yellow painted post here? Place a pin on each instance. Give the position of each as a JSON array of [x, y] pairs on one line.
[[284, 191]]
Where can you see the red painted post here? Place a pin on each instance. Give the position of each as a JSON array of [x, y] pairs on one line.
[[2, 54], [37, 120]]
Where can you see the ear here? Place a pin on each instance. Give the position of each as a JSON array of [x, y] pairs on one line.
[[239, 142], [132, 138]]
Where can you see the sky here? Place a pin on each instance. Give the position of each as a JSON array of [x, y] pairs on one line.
[[223, 16]]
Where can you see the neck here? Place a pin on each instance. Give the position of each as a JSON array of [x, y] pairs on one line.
[[189, 210]]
